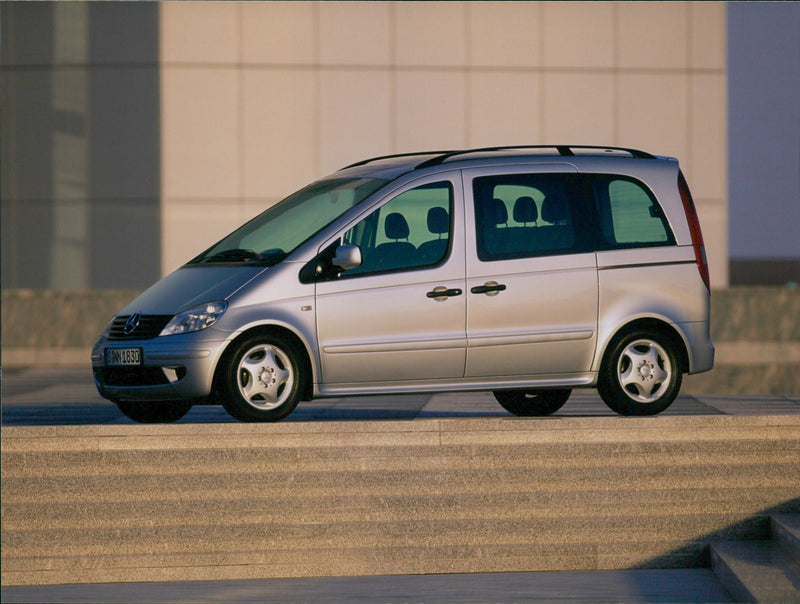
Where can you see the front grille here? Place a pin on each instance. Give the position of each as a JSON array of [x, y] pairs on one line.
[[131, 376], [149, 327]]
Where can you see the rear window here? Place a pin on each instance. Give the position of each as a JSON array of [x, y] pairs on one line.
[[629, 214]]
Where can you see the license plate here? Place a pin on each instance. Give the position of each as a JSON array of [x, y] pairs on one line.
[[123, 356]]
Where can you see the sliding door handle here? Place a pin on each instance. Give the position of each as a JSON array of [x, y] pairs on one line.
[[490, 288]]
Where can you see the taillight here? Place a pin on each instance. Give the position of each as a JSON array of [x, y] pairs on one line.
[[694, 229]]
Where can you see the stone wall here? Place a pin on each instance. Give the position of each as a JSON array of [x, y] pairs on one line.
[[756, 331], [55, 327]]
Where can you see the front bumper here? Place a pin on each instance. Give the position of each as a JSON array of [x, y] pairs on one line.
[[172, 368]]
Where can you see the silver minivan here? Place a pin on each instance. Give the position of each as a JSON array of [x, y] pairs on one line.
[[527, 271]]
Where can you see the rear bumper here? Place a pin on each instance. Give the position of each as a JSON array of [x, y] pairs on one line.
[[699, 346]]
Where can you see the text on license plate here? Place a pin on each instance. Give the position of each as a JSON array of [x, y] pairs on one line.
[[123, 356]]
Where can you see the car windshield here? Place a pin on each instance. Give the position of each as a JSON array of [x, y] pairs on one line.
[[272, 235]]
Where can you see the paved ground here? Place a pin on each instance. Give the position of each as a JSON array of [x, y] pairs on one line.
[[682, 585], [68, 397]]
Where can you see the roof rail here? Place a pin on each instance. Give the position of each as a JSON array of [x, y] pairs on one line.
[[563, 150], [442, 156], [380, 157]]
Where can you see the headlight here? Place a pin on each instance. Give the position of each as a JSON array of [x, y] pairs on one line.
[[195, 319]]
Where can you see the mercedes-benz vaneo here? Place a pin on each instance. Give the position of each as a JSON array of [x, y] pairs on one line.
[[526, 271]]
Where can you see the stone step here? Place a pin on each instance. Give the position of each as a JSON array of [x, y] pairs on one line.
[[530, 505], [772, 482], [135, 503], [298, 536], [786, 531], [757, 571], [417, 559], [128, 462], [434, 432]]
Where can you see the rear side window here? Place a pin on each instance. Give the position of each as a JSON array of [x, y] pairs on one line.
[[526, 215], [629, 214]]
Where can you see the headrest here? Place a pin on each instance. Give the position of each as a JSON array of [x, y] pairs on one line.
[[496, 212], [554, 209], [396, 226], [438, 220], [525, 210]]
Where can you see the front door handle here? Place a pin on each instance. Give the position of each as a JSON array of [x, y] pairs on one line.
[[490, 288], [440, 293]]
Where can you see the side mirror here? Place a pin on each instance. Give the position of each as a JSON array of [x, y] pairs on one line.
[[347, 257]]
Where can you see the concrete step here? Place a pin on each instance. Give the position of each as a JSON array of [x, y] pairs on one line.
[[408, 507], [292, 535], [757, 571], [303, 484], [127, 462], [417, 559], [786, 531], [441, 433], [226, 501]]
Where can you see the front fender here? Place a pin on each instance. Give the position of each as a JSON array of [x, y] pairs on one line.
[[297, 316]]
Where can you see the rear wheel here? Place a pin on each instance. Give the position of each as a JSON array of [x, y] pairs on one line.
[[640, 375], [532, 403], [154, 413], [262, 380]]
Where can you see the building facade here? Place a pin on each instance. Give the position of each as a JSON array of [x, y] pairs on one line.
[[134, 135]]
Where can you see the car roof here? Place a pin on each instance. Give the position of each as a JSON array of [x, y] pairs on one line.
[[393, 166]]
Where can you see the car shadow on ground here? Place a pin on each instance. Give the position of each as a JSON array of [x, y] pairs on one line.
[[41, 412]]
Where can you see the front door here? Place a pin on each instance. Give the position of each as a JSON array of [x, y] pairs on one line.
[[531, 275], [400, 316]]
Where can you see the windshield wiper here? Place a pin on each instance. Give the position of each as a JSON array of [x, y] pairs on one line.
[[234, 255], [270, 257]]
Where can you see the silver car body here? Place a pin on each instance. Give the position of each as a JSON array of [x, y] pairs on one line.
[[383, 333]]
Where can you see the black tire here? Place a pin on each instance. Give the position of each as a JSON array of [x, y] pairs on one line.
[[532, 403], [640, 375], [154, 412], [261, 380]]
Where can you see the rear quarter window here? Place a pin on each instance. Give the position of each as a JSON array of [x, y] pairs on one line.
[[629, 214]]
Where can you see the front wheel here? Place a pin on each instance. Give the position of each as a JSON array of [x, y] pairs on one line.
[[154, 413], [640, 375], [262, 380], [531, 403]]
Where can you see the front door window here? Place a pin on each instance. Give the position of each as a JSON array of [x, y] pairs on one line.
[[410, 231]]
